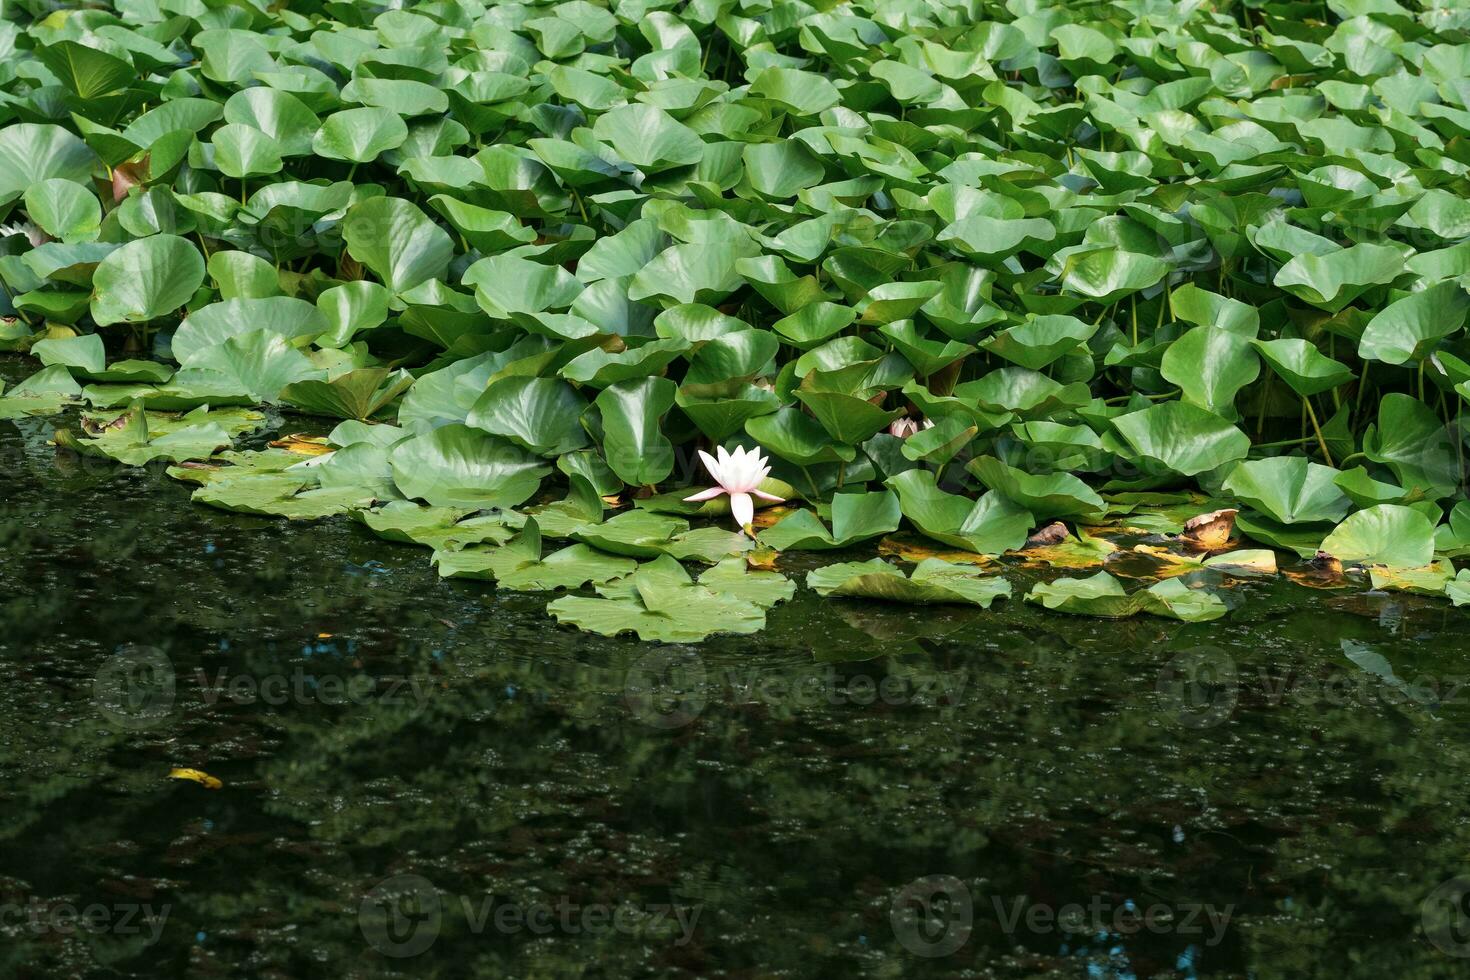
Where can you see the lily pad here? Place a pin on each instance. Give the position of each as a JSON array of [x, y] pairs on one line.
[[519, 566], [1289, 489], [1103, 595], [855, 517], [1389, 534], [660, 603], [933, 581], [457, 466]]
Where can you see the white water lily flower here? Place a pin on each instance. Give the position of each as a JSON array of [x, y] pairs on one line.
[[33, 234], [738, 474]]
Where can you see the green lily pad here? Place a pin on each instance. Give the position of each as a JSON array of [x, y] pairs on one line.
[[1289, 490], [933, 581], [855, 517], [1045, 496], [358, 394], [1182, 438], [46, 392], [519, 566], [129, 438], [1389, 534], [991, 525], [660, 603], [457, 466], [644, 534], [293, 496], [1103, 595]]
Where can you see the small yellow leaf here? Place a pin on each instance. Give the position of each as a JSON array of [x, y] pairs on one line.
[[762, 558], [302, 445], [767, 516], [196, 775]]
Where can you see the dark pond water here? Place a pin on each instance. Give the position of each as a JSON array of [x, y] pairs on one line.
[[427, 778]]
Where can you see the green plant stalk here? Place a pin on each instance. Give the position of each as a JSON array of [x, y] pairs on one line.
[[1321, 440]]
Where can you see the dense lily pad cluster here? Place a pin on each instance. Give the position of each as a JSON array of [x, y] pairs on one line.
[[960, 270]]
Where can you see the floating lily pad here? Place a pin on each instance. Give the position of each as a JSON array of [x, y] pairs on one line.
[[644, 534], [991, 525], [660, 603], [1103, 595], [457, 466], [855, 517], [440, 528], [1389, 534], [1289, 490], [519, 566], [46, 392], [932, 581], [132, 439]]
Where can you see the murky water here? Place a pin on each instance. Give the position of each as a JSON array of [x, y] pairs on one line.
[[427, 778]]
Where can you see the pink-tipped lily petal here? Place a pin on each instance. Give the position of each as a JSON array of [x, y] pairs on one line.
[[709, 494]]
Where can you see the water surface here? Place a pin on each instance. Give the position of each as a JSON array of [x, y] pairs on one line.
[[430, 778]]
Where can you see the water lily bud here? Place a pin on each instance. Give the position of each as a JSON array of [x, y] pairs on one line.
[[902, 428]]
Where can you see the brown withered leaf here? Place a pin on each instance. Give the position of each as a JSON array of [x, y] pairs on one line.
[[1322, 571], [1208, 532], [1053, 533], [1148, 562], [126, 176]]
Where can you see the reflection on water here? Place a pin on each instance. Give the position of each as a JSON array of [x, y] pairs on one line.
[[428, 778]]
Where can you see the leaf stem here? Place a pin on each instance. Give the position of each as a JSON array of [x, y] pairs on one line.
[[810, 482], [1321, 440]]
